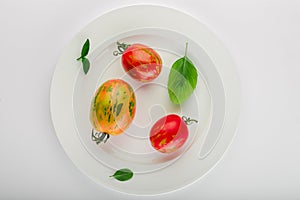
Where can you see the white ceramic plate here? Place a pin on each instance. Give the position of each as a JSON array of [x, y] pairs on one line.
[[214, 103]]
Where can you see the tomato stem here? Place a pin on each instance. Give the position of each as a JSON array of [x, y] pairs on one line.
[[121, 48], [99, 137], [188, 120]]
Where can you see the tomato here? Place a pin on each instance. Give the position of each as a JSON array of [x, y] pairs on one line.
[[112, 109], [141, 62], [169, 133]]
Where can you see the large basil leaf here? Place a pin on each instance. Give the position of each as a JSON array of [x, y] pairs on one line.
[[182, 80]]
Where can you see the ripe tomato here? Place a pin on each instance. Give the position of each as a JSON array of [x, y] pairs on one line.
[[112, 109], [169, 133], [141, 62]]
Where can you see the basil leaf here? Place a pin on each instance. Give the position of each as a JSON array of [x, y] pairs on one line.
[[85, 49], [86, 65], [182, 80], [84, 52], [123, 174]]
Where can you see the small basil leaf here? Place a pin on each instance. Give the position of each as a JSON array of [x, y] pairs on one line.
[[182, 80], [123, 174], [86, 65], [85, 49]]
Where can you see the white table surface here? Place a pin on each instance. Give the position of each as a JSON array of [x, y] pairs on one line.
[[263, 37]]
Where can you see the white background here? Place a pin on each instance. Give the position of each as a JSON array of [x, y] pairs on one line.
[[263, 37]]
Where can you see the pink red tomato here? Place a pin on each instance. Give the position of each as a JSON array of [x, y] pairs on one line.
[[141, 62], [169, 133]]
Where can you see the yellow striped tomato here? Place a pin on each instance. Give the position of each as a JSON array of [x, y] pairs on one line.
[[112, 109]]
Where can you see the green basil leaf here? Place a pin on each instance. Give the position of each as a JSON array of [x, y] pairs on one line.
[[86, 65], [85, 49], [123, 174], [182, 80]]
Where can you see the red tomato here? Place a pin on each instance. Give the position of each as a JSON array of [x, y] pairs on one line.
[[169, 133], [141, 62]]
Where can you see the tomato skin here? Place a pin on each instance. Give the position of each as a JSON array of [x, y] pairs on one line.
[[113, 107], [168, 134], [141, 62]]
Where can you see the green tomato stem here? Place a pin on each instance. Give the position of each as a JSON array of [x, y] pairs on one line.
[[121, 48], [99, 137], [188, 120]]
